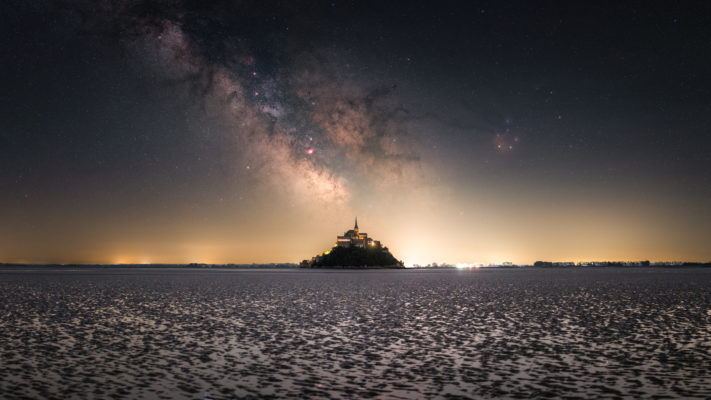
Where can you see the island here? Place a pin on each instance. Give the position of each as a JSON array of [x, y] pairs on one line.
[[355, 250]]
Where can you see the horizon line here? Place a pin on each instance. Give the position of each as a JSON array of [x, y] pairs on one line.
[[441, 264]]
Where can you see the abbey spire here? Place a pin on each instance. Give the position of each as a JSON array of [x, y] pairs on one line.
[[355, 238]]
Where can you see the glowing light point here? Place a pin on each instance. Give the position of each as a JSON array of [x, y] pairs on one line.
[[310, 151], [256, 94], [254, 73]]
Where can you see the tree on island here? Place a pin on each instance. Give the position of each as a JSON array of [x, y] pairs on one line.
[[354, 257]]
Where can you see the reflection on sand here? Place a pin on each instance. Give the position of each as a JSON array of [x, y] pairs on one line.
[[396, 334]]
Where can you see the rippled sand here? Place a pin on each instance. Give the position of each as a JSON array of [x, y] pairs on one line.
[[396, 334]]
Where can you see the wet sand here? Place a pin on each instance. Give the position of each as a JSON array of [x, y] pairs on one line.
[[164, 334]]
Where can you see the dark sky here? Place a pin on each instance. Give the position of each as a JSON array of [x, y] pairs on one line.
[[177, 131]]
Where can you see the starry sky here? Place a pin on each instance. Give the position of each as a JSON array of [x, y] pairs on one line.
[[255, 131]]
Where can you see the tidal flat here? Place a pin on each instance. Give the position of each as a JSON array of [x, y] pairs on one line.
[[515, 333]]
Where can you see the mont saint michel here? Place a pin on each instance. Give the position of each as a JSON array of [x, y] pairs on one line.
[[354, 249]]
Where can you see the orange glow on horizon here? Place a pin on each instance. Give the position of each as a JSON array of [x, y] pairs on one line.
[[419, 227]]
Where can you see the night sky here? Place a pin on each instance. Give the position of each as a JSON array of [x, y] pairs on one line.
[[464, 132]]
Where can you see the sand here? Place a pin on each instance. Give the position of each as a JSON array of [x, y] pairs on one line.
[[164, 334]]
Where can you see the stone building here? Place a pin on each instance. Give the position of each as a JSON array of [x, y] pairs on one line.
[[355, 238]]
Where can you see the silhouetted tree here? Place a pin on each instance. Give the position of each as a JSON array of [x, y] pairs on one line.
[[357, 257]]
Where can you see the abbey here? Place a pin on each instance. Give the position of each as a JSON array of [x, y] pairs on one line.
[[354, 238], [354, 249]]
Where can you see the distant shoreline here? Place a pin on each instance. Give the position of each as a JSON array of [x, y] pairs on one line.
[[166, 266], [296, 266]]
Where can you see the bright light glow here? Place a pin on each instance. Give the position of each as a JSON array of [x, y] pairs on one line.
[[468, 266]]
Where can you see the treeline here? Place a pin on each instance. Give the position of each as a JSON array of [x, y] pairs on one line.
[[192, 265], [592, 264], [645, 263], [355, 257]]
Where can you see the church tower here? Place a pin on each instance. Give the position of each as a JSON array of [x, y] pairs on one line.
[[355, 228]]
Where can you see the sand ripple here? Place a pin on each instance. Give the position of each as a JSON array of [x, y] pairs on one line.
[[160, 334]]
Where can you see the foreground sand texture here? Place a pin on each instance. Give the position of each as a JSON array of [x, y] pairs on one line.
[[160, 334]]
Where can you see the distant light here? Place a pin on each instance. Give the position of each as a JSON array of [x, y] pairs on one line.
[[310, 150], [467, 266]]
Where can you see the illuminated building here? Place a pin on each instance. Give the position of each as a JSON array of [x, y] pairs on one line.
[[354, 249], [355, 238]]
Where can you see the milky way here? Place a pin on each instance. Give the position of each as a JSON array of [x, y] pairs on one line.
[[298, 119]]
